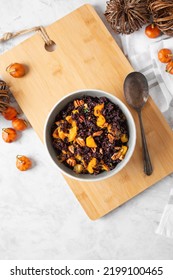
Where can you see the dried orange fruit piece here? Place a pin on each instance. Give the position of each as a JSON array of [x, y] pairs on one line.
[[124, 138], [91, 165], [72, 133], [90, 142], [55, 133], [97, 109], [101, 121]]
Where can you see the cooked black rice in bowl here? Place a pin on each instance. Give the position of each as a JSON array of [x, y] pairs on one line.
[[90, 135]]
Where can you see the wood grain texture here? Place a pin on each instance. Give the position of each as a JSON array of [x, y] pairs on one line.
[[88, 57]]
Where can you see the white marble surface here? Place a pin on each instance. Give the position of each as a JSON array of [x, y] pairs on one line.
[[39, 216]]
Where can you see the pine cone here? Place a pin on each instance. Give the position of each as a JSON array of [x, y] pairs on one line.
[[127, 16], [4, 96]]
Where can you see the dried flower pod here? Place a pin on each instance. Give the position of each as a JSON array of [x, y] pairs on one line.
[[162, 14], [127, 16], [4, 96]]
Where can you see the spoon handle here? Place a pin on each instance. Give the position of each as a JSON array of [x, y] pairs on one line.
[[148, 169]]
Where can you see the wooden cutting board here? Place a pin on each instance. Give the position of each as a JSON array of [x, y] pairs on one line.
[[88, 57]]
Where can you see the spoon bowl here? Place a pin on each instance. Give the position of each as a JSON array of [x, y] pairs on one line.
[[136, 92]]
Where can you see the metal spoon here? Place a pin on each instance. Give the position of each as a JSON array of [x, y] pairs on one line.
[[136, 93]]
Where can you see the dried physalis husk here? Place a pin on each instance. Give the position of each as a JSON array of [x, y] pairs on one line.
[[16, 70]]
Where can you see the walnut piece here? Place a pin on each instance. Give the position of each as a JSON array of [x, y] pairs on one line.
[[116, 155], [97, 133], [78, 103], [71, 161], [80, 141], [71, 149], [111, 138]]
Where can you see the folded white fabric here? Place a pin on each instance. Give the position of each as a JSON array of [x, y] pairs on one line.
[[165, 227], [162, 76], [142, 54]]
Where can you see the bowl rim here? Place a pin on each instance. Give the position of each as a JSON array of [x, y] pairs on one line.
[[130, 150]]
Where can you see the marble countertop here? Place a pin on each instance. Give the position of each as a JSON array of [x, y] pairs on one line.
[[39, 216]]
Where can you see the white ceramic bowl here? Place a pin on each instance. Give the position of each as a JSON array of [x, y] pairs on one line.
[[51, 118]]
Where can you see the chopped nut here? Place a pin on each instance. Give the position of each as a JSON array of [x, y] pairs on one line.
[[80, 141], [97, 133], [117, 148], [93, 150], [58, 123], [71, 149], [81, 119], [84, 164], [101, 151], [64, 152], [105, 167], [116, 155], [121, 157], [78, 103], [71, 161], [111, 138]]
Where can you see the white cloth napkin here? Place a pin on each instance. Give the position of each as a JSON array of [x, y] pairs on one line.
[[165, 227], [143, 56]]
